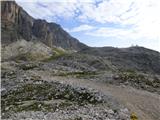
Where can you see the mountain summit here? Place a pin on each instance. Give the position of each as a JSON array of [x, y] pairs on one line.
[[18, 24]]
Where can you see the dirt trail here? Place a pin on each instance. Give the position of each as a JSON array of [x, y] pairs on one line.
[[145, 104]]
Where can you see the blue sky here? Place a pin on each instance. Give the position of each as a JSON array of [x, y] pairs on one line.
[[118, 23]]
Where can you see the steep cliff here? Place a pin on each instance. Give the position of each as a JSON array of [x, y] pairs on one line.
[[17, 24]]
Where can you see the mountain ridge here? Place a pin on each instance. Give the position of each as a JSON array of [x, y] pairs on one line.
[[18, 24], [131, 58]]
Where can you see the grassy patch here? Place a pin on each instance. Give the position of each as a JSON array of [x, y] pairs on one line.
[[131, 76], [28, 66], [58, 52], [33, 105], [139, 80], [31, 57], [45, 92], [78, 74]]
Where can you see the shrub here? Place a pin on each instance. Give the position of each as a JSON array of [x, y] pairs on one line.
[[133, 116]]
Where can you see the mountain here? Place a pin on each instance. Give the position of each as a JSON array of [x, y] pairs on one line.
[[18, 24], [132, 58]]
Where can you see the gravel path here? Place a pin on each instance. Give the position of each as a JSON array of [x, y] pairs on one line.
[[143, 103]]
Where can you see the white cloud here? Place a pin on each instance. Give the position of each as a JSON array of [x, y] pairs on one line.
[[123, 38], [120, 34], [142, 15], [80, 28], [49, 10], [61, 1], [106, 11]]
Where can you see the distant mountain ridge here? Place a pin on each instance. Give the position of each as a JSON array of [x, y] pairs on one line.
[[132, 58], [18, 24]]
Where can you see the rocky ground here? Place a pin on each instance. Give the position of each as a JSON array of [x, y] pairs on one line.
[[26, 95], [52, 90]]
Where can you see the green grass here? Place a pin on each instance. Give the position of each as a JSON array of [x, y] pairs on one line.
[[57, 53]]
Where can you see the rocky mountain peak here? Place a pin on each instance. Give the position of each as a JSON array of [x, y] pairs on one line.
[[18, 24]]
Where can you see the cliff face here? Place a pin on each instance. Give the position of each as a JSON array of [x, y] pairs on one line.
[[16, 24]]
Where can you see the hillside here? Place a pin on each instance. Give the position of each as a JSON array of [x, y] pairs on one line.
[[132, 58]]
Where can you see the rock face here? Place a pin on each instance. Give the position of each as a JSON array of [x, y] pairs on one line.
[[18, 24]]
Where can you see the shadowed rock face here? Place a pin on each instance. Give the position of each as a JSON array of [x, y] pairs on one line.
[[17, 24]]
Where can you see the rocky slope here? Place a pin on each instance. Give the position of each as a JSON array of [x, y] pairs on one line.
[[26, 50], [18, 24], [51, 90], [133, 58], [25, 94]]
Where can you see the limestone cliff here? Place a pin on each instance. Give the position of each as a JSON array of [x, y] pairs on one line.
[[18, 24]]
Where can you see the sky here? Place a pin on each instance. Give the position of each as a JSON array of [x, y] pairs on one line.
[[117, 23]]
